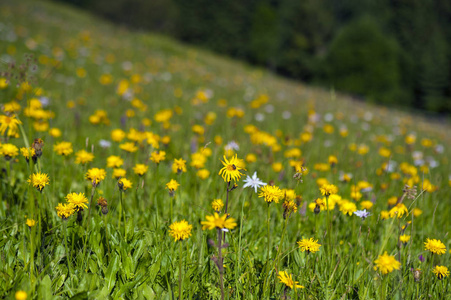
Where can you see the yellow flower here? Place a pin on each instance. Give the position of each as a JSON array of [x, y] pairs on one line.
[[309, 245], [328, 189], [203, 173], [417, 212], [83, 157], [27, 152], [404, 238], [114, 161], [271, 194], [128, 147], [21, 295], [64, 211], [387, 263], [117, 135], [95, 175], [9, 151], [366, 204], [55, 132], [251, 158], [399, 210], [118, 173], [30, 222], [198, 129], [231, 169], [441, 272], [9, 126], [124, 184], [216, 221], [348, 207], [172, 185], [198, 160], [288, 280], [157, 156], [277, 167], [39, 180], [333, 160], [435, 246], [77, 200], [63, 148], [11, 106], [163, 116], [179, 165], [180, 230], [140, 169], [217, 205], [385, 215], [392, 201]]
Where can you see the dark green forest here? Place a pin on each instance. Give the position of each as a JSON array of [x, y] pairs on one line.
[[392, 52]]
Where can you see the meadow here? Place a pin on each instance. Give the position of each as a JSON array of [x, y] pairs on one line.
[[136, 167]]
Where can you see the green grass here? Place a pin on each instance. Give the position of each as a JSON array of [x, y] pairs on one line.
[[106, 257]]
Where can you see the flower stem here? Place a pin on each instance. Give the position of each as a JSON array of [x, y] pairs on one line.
[[69, 266], [220, 264], [280, 244], [180, 270]]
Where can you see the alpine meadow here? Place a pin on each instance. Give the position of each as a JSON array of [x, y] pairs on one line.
[[136, 167]]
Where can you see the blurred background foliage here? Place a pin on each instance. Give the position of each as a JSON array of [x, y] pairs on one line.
[[394, 52]]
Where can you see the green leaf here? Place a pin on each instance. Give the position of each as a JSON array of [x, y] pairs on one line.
[[45, 289]]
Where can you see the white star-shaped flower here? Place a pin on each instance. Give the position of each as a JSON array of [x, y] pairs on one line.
[[253, 181], [362, 214]]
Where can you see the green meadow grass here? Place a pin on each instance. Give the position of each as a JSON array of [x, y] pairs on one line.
[[129, 253]]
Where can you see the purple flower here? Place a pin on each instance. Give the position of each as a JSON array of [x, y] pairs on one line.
[[421, 258], [362, 214]]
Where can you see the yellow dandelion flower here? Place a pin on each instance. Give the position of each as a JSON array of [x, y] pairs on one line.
[[441, 272], [179, 166], [55, 132], [30, 223], [114, 161], [172, 185], [64, 211], [217, 205], [366, 204], [435, 246], [288, 280], [63, 148], [218, 222], [271, 194], [124, 184], [203, 174], [399, 211], [77, 200], [39, 180], [140, 169], [95, 175], [21, 295], [333, 160], [27, 152], [118, 173], [117, 135], [328, 189], [128, 147], [83, 157], [387, 263], [404, 238], [157, 156], [310, 245], [180, 230], [348, 207], [9, 151]]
